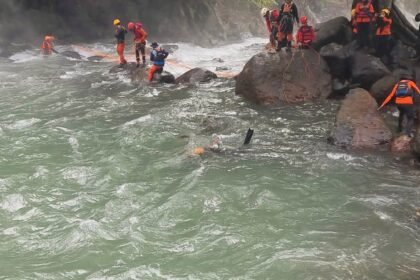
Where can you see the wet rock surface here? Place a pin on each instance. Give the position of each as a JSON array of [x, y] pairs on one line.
[[138, 75], [196, 75], [284, 78], [358, 123]]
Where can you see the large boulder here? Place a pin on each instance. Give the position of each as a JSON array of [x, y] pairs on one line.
[[383, 87], [336, 30], [284, 78], [359, 124], [196, 75], [367, 69], [138, 75], [338, 58]]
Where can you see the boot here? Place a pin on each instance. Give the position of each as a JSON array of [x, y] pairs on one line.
[[138, 63]]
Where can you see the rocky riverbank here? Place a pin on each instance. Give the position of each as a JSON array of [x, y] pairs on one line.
[[337, 68]]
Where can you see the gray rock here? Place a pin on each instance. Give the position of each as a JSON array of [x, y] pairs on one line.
[[138, 75], [284, 78], [359, 124], [336, 30], [196, 75]]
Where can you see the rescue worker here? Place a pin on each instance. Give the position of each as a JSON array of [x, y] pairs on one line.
[[364, 17], [288, 14], [271, 18], [405, 98], [305, 35], [354, 23], [47, 47], [383, 34], [120, 32], [140, 36], [157, 56]]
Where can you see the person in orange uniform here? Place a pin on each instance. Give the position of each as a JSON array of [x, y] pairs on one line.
[[364, 17], [383, 34], [157, 56], [271, 18], [405, 98], [305, 35], [47, 47], [140, 36], [120, 32], [288, 14]]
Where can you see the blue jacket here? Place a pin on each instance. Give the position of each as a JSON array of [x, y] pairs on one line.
[[158, 57]]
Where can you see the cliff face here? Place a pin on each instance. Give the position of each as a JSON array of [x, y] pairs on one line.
[[200, 21]]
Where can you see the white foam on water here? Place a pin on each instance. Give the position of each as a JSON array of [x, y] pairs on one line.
[[13, 203], [40, 172], [95, 229], [74, 143], [11, 231], [80, 175], [26, 56], [340, 156], [138, 120], [22, 124]]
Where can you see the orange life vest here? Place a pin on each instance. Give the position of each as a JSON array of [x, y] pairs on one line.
[[305, 35], [386, 29], [364, 13], [46, 48], [404, 93]]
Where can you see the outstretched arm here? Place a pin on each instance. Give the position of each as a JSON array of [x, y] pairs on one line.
[[390, 96], [413, 84]]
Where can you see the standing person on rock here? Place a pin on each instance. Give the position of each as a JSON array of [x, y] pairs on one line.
[[383, 35], [365, 14], [140, 36], [406, 96], [120, 32], [271, 18], [288, 15], [305, 35], [157, 56], [47, 47]]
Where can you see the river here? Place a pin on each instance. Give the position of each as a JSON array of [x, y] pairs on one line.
[[97, 181]]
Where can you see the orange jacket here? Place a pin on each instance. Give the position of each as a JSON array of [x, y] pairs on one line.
[[384, 30], [305, 35], [46, 47], [140, 35], [364, 13], [406, 99]]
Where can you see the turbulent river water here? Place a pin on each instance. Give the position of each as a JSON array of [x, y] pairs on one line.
[[97, 181]]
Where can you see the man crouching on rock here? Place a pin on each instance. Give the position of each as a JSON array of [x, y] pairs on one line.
[[157, 56]]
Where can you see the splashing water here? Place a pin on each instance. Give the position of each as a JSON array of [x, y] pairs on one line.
[[97, 182]]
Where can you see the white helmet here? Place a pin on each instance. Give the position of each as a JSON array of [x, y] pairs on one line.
[[264, 11]]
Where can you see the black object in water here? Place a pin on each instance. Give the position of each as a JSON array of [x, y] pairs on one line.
[[248, 136]]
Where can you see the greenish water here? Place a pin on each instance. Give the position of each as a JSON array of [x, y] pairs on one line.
[[96, 182]]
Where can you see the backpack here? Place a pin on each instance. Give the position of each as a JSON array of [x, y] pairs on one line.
[[403, 90]]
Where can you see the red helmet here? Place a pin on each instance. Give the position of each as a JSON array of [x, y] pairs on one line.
[[139, 24], [130, 26], [304, 20]]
